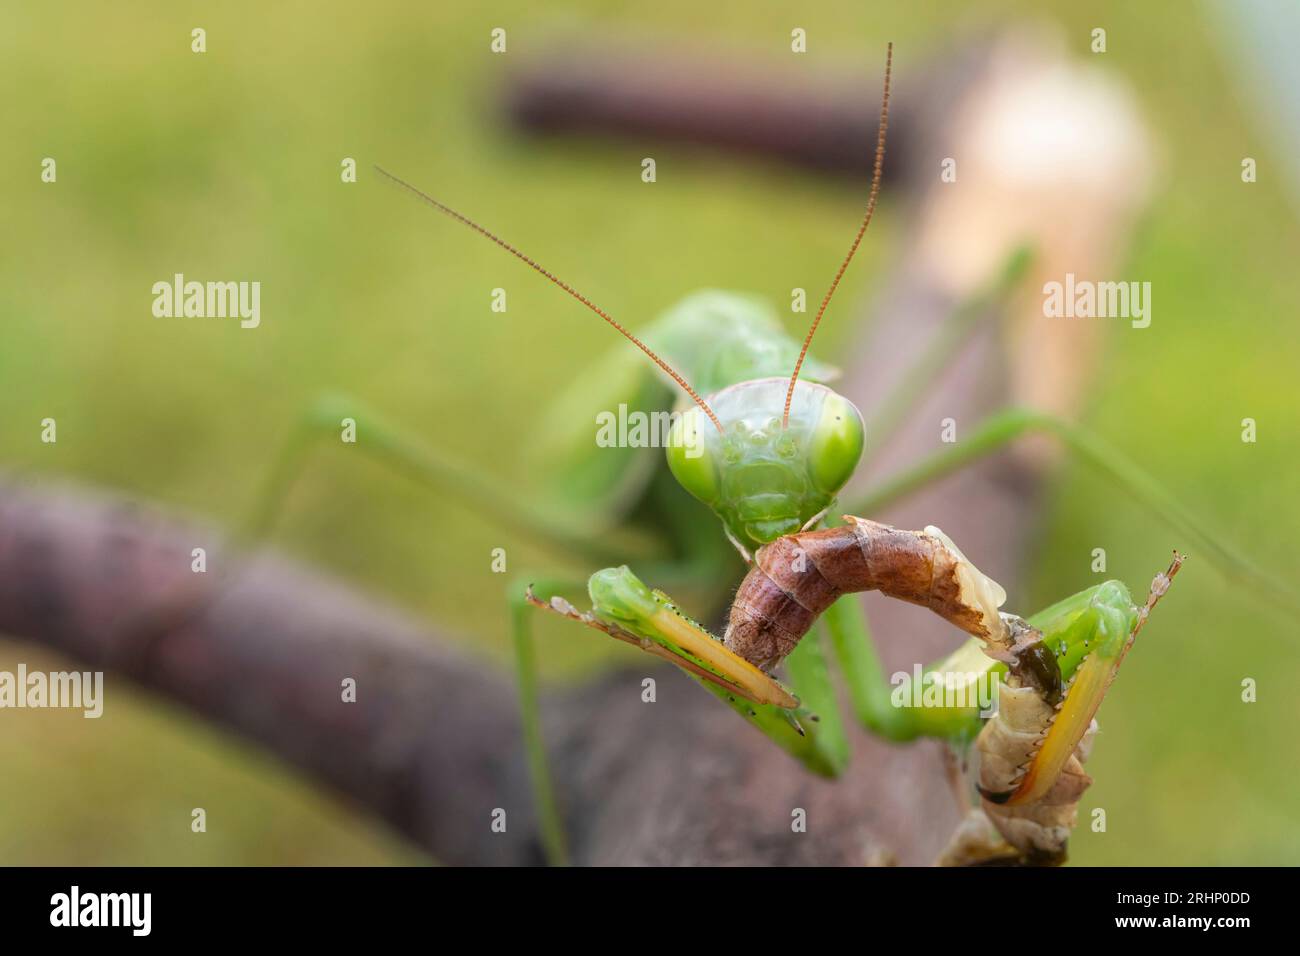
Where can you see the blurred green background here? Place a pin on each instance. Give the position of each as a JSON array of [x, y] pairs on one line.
[[227, 165]]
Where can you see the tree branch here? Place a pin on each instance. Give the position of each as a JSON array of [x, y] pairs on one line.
[[261, 648]]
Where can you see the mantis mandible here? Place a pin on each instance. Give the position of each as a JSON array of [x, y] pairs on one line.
[[767, 450]]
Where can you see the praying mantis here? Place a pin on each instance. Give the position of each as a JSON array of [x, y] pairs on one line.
[[767, 451]]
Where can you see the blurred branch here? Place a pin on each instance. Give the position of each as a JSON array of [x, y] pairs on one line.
[[819, 119], [431, 744]]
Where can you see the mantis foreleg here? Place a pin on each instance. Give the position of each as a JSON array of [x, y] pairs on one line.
[[624, 608], [1052, 671], [1032, 752]]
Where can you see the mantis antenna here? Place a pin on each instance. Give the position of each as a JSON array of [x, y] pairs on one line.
[[532, 264], [866, 221]]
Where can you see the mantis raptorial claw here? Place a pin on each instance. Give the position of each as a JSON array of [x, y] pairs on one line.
[[558, 605], [1032, 751], [666, 634], [1074, 714], [628, 611]]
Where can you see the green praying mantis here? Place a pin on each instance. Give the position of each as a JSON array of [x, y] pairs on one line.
[[764, 444]]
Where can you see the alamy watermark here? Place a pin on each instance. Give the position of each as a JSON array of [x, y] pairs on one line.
[[945, 689], [133, 911], [219, 300], [637, 429], [75, 690], [1084, 299]]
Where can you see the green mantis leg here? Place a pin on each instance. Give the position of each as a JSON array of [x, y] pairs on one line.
[[938, 353], [805, 724], [550, 820], [1083, 640], [522, 603], [630, 612], [1089, 636], [1032, 751], [1086, 633], [1005, 427], [390, 445], [411, 457], [901, 711]]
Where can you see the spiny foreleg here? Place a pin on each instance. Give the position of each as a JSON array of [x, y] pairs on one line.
[[1032, 751]]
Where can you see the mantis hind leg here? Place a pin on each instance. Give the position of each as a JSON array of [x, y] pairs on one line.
[[890, 709], [408, 455], [999, 430]]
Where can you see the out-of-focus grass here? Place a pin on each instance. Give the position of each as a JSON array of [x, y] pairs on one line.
[[226, 166]]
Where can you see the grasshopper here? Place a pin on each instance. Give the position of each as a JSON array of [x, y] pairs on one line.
[[767, 451]]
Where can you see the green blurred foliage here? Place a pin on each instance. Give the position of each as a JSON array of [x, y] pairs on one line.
[[226, 165]]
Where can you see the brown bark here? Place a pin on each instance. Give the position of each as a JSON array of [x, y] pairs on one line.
[[430, 745], [818, 120]]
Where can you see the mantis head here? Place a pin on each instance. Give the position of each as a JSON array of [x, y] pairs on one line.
[[762, 476]]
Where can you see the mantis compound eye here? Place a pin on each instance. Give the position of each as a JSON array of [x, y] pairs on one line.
[[835, 444], [691, 456]]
